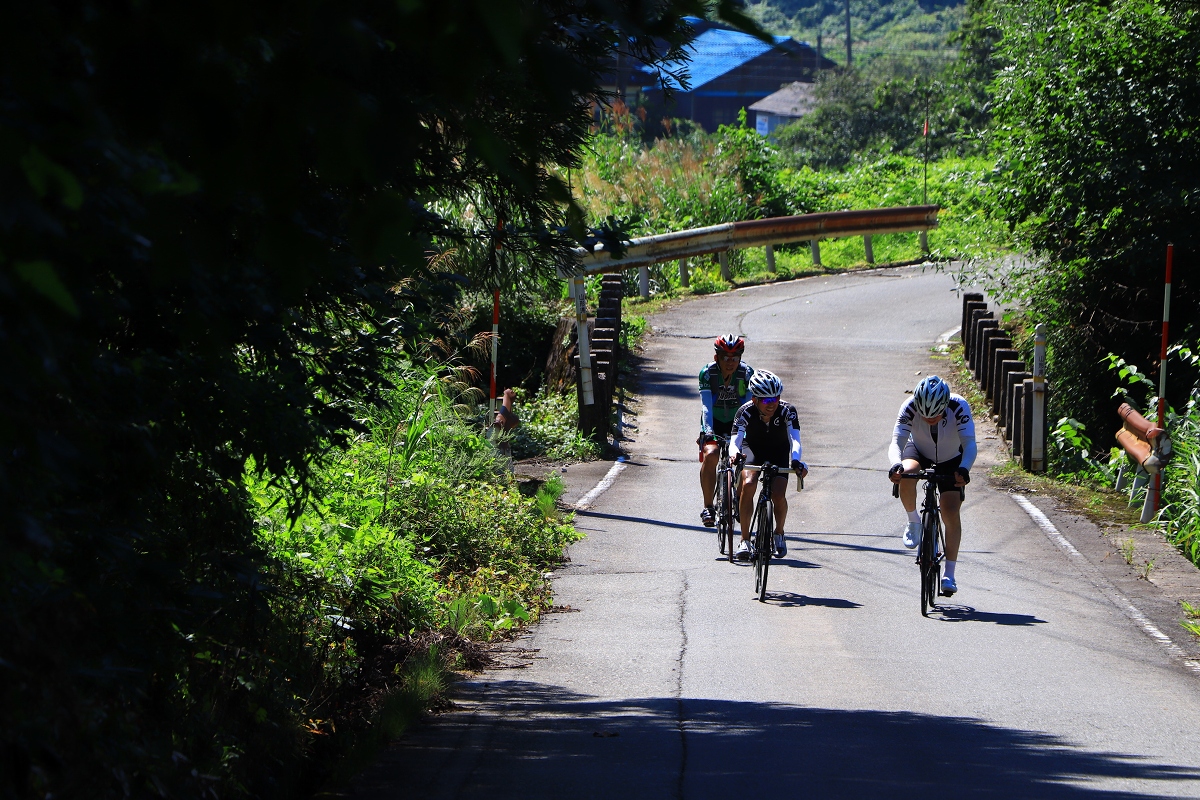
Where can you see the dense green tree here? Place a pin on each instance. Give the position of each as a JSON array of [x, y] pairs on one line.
[[1097, 112], [213, 231]]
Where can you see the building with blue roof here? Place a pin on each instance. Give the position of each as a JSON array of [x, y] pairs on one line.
[[730, 70]]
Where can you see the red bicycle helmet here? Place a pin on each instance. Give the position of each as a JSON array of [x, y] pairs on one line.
[[730, 344]]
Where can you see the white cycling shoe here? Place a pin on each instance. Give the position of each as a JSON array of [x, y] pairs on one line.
[[949, 587], [912, 535], [744, 550]]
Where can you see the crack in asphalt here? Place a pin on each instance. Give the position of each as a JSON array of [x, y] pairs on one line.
[[681, 722]]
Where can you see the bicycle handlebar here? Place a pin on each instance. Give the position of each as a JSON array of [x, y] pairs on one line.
[[927, 474], [760, 467]]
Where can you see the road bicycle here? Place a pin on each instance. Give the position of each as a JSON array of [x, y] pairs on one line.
[[932, 547], [725, 499], [762, 525]]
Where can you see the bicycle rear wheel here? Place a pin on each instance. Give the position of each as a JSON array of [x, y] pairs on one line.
[[764, 546]]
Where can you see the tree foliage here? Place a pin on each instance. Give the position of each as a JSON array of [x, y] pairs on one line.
[[1098, 108], [213, 230]]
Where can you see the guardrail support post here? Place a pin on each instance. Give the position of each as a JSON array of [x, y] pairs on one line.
[[585, 348], [870, 250], [816, 251], [723, 258], [683, 273], [1037, 455], [923, 238], [644, 282], [770, 251]]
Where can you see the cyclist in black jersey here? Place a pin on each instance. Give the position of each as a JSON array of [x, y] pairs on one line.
[[766, 430], [724, 387]]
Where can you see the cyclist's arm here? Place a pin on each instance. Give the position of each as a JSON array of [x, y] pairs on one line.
[[965, 423], [901, 434], [793, 430], [737, 442], [706, 419]]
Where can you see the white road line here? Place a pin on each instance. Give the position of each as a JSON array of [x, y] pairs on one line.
[[945, 337], [1100, 582], [601, 487]]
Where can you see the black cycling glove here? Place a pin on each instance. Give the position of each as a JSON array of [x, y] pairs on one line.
[[798, 465], [966, 474], [896, 468]]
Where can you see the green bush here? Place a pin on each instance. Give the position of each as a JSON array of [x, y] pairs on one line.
[[549, 427]]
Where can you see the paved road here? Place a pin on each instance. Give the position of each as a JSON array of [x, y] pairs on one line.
[[668, 680]]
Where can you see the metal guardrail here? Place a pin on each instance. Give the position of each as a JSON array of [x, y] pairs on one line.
[[647, 250]]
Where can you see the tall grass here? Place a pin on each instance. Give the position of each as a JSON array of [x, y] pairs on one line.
[[676, 183], [416, 527]]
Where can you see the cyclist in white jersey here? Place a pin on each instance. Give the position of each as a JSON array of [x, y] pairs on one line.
[[934, 429]]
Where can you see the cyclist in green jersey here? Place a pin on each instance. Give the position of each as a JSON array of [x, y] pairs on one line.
[[724, 388]]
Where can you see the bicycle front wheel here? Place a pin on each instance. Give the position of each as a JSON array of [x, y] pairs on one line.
[[764, 546], [930, 530]]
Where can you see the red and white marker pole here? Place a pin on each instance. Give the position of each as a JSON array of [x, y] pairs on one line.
[[1162, 368], [495, 345]]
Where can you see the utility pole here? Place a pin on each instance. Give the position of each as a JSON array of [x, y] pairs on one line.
[[849, 55]]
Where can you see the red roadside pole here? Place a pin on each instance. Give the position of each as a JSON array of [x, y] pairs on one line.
[[1162, 368]]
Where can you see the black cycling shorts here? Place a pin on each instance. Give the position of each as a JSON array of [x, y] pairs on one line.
[[945, 473]]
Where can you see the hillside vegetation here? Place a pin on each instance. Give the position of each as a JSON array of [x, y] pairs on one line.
[[906, 34]]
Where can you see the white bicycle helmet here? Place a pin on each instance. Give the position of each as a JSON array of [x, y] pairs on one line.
[[765, 384], [931, 396]]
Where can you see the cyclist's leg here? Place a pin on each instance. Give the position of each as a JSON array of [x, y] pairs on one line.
[[708, 471], [779, 498], [746, 501], [908, 489], [951, 501]]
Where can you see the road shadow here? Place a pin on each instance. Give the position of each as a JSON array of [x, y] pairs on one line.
[[647, 521], [956, 613], [514, 739], [791, 599], [669, 384]]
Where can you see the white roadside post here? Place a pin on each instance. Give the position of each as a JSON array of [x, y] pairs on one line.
[[923, 238], [1037, 448], [585, 347], [1151, 508], [770, 251]]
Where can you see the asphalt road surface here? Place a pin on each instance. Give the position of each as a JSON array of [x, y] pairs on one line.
[[668, 679]]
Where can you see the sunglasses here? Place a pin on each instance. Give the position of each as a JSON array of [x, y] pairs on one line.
[[733, 356], [767, 401]]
